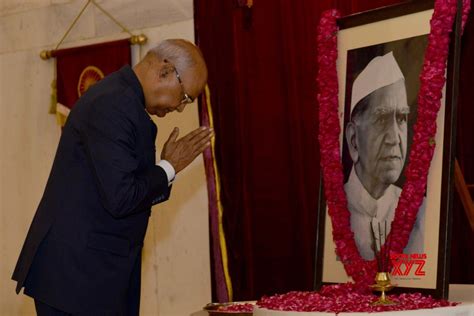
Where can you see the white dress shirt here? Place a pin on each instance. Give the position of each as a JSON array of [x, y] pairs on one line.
[[169, 170], [366, 210]]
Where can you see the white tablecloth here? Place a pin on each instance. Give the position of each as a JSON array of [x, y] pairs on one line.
[[465, 309], [463, 293]]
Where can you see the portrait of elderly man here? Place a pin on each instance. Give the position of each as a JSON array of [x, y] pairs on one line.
[[376, 137]]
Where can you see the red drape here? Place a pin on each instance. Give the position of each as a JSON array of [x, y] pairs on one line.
[[262, 70], [72, 64]]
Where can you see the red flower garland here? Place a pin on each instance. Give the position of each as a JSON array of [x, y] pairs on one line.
[[344, 298], [432, 80]]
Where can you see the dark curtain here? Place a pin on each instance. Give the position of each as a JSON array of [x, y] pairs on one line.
[[262, 71], [462, 245]]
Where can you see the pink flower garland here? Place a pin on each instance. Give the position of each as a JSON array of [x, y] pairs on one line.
[[429, 101]]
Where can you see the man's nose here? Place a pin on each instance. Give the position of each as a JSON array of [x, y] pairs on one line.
[[392, 132]]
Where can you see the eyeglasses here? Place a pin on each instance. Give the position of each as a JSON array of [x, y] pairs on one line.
[[186, 98]]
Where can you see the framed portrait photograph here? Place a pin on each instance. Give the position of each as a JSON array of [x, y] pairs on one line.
[[380, 58]]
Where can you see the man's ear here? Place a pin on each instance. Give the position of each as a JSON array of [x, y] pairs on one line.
[[351, 139], [165, 69]]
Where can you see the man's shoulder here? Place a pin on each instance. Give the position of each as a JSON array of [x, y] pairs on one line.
[[112, 95], [112, 87]]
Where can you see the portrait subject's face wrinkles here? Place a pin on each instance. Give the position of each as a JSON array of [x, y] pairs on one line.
[[381, 135]]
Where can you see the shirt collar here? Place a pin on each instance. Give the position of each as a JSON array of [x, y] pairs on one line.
[[364, 202]]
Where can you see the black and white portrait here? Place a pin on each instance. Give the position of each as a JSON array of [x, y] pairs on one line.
[[380, 59], [380, 108]]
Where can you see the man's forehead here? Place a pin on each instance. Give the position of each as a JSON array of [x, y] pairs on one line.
[[384, 109], [193, 81], [389, 99]]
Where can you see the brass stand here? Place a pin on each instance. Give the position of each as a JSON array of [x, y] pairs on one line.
[[383, 284]]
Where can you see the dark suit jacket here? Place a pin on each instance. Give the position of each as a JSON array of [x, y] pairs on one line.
[[88, 231]]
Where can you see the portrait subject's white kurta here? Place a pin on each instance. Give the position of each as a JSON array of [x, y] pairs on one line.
[[365, 209]]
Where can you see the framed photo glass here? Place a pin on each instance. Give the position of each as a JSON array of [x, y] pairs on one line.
[[381, 53]]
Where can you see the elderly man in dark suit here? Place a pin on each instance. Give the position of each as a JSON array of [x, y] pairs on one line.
[[82, 254]]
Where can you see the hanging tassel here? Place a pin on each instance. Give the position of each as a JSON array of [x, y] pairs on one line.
[[54, 97], [62, 112], [54, 90]]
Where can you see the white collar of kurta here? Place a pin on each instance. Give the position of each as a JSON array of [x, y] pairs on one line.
[[365, 204]]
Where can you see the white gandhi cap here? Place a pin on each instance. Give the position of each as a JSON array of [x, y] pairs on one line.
[[380, 72]]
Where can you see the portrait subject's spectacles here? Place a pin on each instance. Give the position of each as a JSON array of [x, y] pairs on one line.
[[186, 98]]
